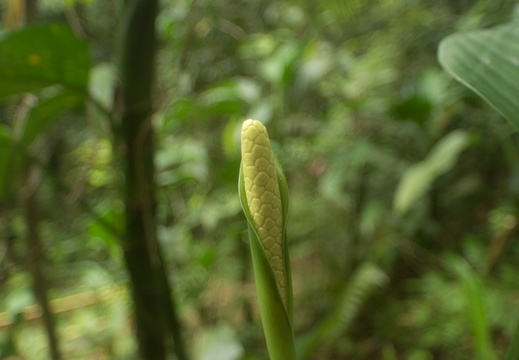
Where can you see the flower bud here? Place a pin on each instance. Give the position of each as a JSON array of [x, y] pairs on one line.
[[263, 195]]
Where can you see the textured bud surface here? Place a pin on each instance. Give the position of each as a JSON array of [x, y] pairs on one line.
[[263, 197]]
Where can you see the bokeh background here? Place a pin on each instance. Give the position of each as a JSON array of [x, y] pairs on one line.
[[403, 184]]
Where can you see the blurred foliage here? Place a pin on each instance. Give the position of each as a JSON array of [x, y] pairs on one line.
[[356, 105]]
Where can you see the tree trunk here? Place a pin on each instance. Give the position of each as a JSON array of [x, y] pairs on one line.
[[155, 315]]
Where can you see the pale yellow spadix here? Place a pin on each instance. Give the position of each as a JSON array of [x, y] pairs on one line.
[[264, 198], [263, 195]]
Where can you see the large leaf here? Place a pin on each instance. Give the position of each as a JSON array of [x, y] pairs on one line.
[[37, 57], [487, 61]]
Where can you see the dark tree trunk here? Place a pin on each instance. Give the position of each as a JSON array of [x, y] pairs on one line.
[[155, 314]]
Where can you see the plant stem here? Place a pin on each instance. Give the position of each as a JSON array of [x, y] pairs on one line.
[[35, 258]]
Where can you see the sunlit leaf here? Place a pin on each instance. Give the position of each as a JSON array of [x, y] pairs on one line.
[[279, 67], [101, 83], [418, 179]]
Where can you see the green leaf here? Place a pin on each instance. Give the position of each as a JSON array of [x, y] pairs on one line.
[[414, 108], [108, 227], [487, 61], [476, 310], [417, 180], [279, 67], [40, 56]]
